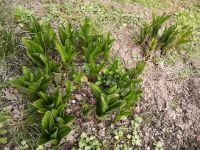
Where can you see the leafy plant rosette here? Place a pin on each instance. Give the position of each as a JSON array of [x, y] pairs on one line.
[[153, 39], [55, 127], [46, 102], [117, 90], [30, 83]]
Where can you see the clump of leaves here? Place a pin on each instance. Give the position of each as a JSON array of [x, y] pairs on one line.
[[153, 39], [37, 53], [21, 14], [126, 137], [88, 142], [8, 43], [4, 120], [42, 34], [48, 102], [95, 48], [32, 83], [68, 33], [67, 52], [159, 145], [55, 127], [52, 101], [117, 89]]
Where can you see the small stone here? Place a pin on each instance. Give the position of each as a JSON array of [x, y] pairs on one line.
[[102, 132], [179, 136], [100, 125], [68, 110], [137, 109], [73, 101], [198, 138], [78, 97]]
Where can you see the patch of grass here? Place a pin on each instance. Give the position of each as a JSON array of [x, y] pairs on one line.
[[155, 4], [106, 17], [8, 40], [8, 44]]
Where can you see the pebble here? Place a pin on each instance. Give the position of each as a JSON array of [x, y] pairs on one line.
[[78, 97], [73, 101], [198, 138]]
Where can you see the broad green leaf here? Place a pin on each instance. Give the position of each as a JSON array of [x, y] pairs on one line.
[[64, 132], [95, 89]]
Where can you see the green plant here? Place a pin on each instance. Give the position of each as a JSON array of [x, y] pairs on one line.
[[149, 31], [88, 142], [4, 120], [50, 67], [54, 124], [38, 55], [48, 102], [8, 43], [33, 51], [86, 108], [78, 77], [117, 89], [24, 145], [152, 39], [174, 36], [107, 103], [93, 68], [52, 101], [159, 145], [67, 34], [99, 43], [32, 83], [45, 38], [35, 26], [93, 45], [126, 137], [67, 52], [21, 14]]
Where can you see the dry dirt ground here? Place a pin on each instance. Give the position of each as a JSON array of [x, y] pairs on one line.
[[170, 106]]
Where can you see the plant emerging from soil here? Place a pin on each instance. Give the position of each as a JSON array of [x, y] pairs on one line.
[[113, 86], [153, 39]]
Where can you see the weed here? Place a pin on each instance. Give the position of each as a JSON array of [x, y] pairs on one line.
[[126, 137], [4, 121], [88, 142], [173, 104], [159, 145], [8, 43], [21, 14]]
